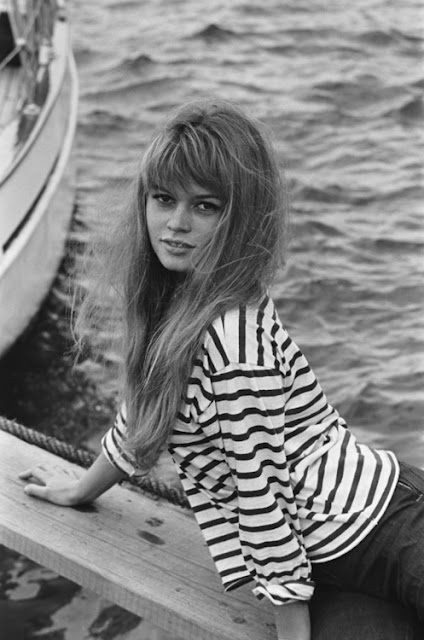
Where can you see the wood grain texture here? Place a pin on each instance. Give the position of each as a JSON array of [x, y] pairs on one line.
[[146, 555]]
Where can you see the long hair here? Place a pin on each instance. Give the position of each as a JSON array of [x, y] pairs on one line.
[[216, 146]]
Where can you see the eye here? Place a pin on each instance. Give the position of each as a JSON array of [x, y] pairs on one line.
[[162, 198], [205, 206]]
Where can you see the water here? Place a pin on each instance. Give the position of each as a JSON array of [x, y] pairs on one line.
[[340, 84]]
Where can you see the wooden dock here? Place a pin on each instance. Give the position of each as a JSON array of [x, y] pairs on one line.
[[146, 555]]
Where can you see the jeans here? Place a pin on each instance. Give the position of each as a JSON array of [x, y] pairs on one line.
[[347, 615], [376, 590]]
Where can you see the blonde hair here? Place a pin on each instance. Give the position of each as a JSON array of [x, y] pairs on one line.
[[214, 145]]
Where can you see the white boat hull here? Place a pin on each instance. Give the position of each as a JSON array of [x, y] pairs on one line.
[[31, 255]]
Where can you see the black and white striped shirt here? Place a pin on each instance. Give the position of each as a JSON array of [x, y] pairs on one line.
[[274, 477]]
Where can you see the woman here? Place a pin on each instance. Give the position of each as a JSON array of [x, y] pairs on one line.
[[284, 494]]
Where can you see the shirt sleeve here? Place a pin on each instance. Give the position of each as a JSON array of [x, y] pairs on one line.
[[115, 447], [250, 409]]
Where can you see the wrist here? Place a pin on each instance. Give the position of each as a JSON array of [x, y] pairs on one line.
[[77, 494], [100, 477]]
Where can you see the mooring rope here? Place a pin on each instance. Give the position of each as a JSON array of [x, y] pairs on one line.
[[85, 458]]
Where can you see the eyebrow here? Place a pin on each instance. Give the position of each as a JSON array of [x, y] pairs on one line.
[[156, 187], [198, 196], [195, 196]]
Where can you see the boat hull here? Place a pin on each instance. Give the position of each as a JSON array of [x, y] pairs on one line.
[[31, 258]]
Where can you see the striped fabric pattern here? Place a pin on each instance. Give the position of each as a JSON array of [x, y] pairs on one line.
[[274, 477]]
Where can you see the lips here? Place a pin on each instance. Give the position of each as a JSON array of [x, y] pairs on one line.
[[177, 244]]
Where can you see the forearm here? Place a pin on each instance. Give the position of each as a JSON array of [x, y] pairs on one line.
[[292, 621], [64, 486], [100, 477]]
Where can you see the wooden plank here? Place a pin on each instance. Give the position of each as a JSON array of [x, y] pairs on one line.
[[147, 556]]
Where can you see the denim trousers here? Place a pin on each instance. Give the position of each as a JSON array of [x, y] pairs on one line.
[[376, 590]]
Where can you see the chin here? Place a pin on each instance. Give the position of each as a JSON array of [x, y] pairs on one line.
[[175, 265]]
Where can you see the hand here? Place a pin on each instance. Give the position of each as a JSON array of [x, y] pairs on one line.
[[53, 484], [292, 621], [68, 487]]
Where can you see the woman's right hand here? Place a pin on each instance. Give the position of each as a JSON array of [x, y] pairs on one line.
[[53, 484], [69, 487]]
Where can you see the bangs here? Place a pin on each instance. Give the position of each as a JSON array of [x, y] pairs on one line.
[[188, 158]]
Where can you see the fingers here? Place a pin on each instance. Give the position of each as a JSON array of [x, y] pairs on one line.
[[37, 474], [36, 490], [52, 483], [43, 473], [38, 477], [24, 475]]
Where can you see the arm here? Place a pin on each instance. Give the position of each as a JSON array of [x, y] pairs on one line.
[[249, 402], [292, 621], [58, 486]]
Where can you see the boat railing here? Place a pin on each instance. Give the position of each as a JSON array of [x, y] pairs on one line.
[[32, 25]]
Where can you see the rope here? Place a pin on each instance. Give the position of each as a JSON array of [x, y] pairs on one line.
[[85, 458]]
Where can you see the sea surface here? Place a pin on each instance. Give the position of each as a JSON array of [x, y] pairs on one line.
[[340, 85]]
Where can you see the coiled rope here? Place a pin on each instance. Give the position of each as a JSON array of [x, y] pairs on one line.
[[85, 458]]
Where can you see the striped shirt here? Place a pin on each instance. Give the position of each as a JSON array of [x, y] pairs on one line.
[[274, 477]]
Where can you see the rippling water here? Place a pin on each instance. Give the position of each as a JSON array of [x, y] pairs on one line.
[[340, 85]]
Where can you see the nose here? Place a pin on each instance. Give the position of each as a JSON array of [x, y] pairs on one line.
[[180, 218]]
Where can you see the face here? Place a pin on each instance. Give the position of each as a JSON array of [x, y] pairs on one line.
[[180, 223]]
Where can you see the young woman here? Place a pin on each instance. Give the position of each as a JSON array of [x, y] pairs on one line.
[[284, 494]]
